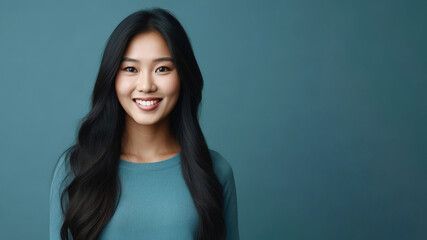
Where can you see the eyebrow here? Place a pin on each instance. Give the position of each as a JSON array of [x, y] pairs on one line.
[[155, 60]]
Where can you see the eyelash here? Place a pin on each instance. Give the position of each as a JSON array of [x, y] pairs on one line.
[[167, 69]]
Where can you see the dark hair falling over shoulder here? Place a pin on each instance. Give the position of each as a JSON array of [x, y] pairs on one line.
[[89, 201]]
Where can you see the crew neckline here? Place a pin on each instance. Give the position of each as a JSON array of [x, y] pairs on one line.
[[153, 165]]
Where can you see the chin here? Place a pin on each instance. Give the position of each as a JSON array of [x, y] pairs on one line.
[[146, 122]]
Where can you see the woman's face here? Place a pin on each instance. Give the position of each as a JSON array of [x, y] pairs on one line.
[[147, 71]]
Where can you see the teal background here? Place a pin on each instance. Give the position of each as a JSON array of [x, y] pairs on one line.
[[319, 106]]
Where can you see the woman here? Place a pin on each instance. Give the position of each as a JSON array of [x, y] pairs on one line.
[[141, 168]]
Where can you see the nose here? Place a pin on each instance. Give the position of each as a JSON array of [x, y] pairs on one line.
[[145, 82]]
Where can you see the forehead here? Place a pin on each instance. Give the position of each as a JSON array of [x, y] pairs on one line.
[[147, 46]]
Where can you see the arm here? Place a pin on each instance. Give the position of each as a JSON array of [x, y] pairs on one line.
[[230, 205], [225, 175], [55, 212]]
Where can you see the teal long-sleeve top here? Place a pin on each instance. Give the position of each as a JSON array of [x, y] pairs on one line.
[[155, 202]]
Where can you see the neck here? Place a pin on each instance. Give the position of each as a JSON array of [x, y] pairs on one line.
[[148, 141]]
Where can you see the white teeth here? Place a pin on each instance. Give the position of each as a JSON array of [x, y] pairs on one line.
[[147, 103]]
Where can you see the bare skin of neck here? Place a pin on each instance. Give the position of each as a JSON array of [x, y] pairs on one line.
[[148, 143]]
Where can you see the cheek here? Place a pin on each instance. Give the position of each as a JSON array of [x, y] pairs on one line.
[[122, 87], [172, 87]]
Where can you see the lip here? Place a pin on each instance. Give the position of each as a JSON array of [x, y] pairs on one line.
[[147, 108], [147, 99]]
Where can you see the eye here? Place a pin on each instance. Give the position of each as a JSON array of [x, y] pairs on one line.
[[162, 69], [129, 69]]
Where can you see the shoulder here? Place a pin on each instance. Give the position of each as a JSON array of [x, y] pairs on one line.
[[58, 180], [222, 167], [61, 168]]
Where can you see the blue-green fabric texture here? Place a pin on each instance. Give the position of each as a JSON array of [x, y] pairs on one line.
[[155, 201]]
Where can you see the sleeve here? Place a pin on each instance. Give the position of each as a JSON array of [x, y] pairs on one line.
[[225, 174], [56, 217]]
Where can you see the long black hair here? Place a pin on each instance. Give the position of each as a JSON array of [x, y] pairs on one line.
[[90, 199]]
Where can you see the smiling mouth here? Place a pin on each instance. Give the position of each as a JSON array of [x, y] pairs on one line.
[[147, 103]]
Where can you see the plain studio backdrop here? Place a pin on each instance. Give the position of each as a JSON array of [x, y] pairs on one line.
[[319, 106]]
